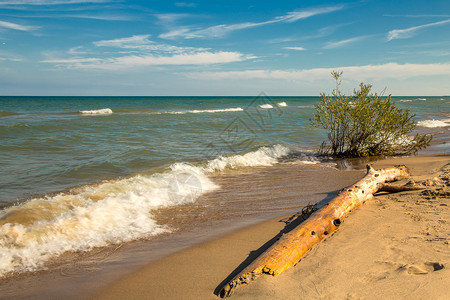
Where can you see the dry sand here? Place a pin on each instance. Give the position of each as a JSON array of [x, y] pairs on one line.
[[393, 247]]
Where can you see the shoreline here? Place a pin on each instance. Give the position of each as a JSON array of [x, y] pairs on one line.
[[195, 270], [408, 248]]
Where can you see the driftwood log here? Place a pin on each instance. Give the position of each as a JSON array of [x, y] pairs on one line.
[[290, 248]]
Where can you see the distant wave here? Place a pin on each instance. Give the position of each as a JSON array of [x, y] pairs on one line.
[[282, 104], [421, 99], [103, 111], [6, 113], [405, 100], [199, 111], [108, 213], [434, 123], [266, 106]]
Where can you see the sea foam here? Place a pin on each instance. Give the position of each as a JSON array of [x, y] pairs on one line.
[[199, 111], [264, 156], [434, 123], [108, 213], [103, 111], [266, 106]]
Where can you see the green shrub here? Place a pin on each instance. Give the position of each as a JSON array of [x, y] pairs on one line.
[[365, 124]]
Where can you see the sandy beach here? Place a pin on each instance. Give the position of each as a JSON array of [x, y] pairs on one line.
[[393, 247]]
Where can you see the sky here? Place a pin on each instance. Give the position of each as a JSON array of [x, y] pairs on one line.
[[223, 48]]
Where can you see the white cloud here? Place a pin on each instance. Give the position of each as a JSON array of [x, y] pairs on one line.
[[102, 17], [409, 32], [133, 61], [358, 73], [303, 14], [72, 61], [134, 41], [338, 44], [223, 29], [170, 19], [143, 43], [6, 56], [15, 26], [295, 48]]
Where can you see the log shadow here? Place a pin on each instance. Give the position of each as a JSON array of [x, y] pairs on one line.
[[291, 223]]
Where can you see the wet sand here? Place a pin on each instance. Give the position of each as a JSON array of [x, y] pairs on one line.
[[393, 247]]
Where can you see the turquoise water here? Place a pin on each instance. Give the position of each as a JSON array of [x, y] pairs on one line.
[[88, 171], [48, 146]]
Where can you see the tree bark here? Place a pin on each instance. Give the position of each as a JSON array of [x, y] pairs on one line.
[[290, 248]]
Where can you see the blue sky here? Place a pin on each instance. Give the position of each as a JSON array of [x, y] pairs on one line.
[[109, 47]]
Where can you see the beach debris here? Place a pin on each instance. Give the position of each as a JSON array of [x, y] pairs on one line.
[[291, 246]]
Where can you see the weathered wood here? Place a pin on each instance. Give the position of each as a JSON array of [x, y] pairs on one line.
[[290, 248]]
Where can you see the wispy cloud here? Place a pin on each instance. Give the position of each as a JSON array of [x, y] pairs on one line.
[[185, 4], [6, 56], [295, 48], [15, 26], [135, 41], [418, 16], [101, 16], [187, 32], [143, 43], [139, 51], [358, 73], [409, 32], [139, 61], [342, 43]]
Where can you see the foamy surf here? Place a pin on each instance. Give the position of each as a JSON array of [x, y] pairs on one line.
[[103, 111], [199, 111], [108, 213], [266, 106], [434, 123], [264, 156], [93, 216], [283, 104]]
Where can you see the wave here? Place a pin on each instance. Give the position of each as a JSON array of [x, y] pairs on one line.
[[103, 111], [264, 156], [6, 113], [266, 106], [405, 100], [110, 212], [199, 111], [282, 104], [434, 123]]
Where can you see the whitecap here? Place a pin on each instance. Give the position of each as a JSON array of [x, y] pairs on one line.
[[199, 111], [434, 123], [103, 111], [264, 156]]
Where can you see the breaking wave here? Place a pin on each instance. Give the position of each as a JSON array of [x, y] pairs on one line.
[[434, 123], [199, 111], [103, 111], [266, 106], [110, 212]]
